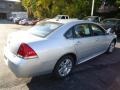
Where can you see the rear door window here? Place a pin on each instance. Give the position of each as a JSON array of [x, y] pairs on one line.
[[82, 30]]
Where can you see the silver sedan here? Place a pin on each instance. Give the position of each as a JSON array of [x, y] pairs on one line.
[[56, 47]]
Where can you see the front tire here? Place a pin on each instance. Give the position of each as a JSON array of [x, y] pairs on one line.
[[64, 66], [111, 47]]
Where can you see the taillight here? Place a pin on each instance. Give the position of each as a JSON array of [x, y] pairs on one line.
[[25, 51]]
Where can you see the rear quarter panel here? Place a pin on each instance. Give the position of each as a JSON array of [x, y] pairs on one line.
[[51, 50]]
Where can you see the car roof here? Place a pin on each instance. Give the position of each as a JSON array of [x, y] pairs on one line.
[[67, 21]]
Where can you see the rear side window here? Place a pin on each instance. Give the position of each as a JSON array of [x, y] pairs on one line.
[[82, 31], [69, 33]]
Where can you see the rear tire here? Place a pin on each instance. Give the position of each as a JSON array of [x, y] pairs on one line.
[[63, 67]]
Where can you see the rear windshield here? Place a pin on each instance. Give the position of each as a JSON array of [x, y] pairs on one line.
[[44, 28]]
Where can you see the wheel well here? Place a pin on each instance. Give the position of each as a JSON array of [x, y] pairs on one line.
[[73, 55]]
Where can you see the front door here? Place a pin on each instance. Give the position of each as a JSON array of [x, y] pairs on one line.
[[83, 41], [101, 38]]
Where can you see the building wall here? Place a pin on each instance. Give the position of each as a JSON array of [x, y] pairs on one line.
[[6, 7]]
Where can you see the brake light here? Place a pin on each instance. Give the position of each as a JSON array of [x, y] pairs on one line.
[[25, 51]]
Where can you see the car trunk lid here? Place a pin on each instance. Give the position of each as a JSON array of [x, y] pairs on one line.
[[17, 38]]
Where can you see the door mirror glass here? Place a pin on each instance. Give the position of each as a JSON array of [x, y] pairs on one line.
[[109, 31]]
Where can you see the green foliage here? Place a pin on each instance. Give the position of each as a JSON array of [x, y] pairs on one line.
[[50, 8]]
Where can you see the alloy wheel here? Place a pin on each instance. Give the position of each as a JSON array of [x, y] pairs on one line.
[[65, 67]]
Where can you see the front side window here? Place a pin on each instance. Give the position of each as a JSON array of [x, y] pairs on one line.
[[82, 31], [44, 28], [97, 30]]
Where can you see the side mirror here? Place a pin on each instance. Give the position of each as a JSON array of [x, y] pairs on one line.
[[109, 31]]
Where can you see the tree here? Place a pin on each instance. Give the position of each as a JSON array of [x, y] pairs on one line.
[[50, 8], [27, 5]]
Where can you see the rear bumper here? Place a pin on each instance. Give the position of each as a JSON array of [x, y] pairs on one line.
[[25, 68]]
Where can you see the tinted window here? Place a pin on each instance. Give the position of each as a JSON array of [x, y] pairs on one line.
[[109, 22], [119, 22], [63, 17], [66, 17], [44, 28], [82, 31], [97, 30], [96, 19]]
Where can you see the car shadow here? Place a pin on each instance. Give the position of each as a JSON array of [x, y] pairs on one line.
[[100, 73]]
